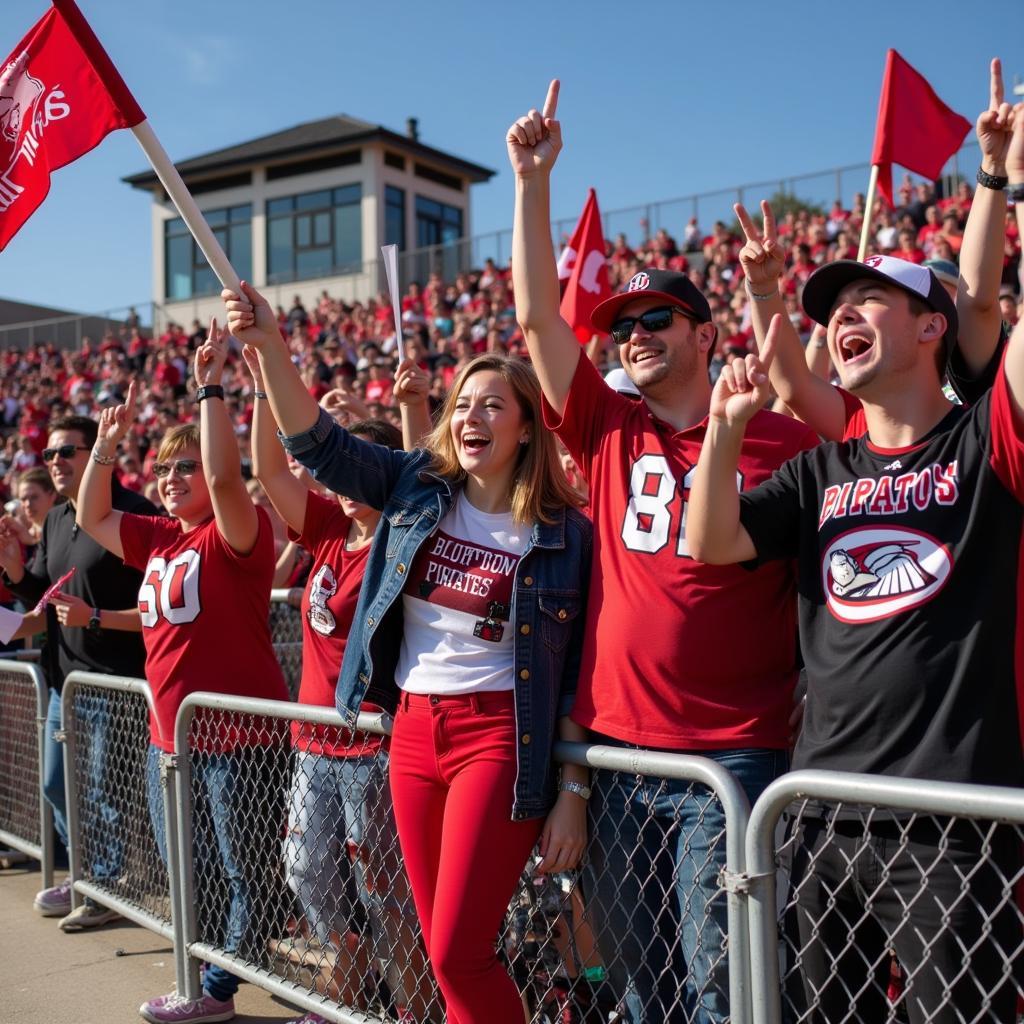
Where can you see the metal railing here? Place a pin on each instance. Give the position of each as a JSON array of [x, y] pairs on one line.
[[66, 331], [343, 941], [877, 899], [26, 819], [121, 799]]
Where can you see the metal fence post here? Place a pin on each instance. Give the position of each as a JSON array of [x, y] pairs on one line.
[[45, 810], [186, 980], [187, 927], [68, 737]]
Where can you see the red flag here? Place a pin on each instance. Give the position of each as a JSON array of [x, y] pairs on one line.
[[60, 95], [915, 128], [584, 268]]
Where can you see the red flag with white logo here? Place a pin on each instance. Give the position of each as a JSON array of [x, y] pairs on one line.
[[60, 96], [915, 128], [584, 269]]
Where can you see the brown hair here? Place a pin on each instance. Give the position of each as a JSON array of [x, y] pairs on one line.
[[88, 428], [539, 487], [177, 439], [38, 476]]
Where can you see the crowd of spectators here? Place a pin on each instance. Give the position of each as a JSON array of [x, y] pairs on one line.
[[347, 352]]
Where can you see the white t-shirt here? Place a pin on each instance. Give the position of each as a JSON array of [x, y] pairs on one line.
[[458, 604]]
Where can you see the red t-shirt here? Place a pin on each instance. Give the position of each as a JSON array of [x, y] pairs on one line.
[[661, 664], [205, 620], [328, 607]]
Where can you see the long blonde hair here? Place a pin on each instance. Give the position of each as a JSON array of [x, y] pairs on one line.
[[539, 487]]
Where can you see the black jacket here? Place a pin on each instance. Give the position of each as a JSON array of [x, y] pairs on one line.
[[101, 579]]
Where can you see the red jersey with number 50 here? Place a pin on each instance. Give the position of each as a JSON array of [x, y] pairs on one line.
[[677, 654], [205, 615]]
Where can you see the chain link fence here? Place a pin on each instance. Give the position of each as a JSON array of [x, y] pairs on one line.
[[886, 900], [286, 636], [116, 799], [26, 819], [293, 878]]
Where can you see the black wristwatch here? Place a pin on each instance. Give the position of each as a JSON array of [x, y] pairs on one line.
[[209, 391], [94, 621], [996, 182]]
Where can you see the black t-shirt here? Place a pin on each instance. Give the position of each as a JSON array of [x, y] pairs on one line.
[[910, 597]]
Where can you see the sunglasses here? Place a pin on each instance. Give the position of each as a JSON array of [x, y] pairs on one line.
[[185, 467], [65, 451], [653, 320]]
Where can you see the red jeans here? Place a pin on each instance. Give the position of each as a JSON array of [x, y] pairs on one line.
[[453, 769]]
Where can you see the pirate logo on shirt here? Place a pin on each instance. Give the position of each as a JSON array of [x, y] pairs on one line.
[[322, 587], [873, 573]]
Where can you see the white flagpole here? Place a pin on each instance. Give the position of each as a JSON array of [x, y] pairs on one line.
[[869, 205], [186, 206]]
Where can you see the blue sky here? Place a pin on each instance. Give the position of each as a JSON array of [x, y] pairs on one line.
[[659, 99]]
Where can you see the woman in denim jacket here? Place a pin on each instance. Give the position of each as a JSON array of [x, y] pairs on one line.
[[469, 625]]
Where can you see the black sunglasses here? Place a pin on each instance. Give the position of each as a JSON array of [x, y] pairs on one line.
[[657, 319], [65, 451], [185, 467]]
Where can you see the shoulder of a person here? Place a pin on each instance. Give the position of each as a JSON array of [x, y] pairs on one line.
[[125, 500], [576, 520]]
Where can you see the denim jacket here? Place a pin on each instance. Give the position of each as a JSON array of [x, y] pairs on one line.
[[548, 603]]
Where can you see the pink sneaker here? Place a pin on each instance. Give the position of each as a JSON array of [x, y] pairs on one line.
[[309, 1018], [175, 1009], [55, 901]]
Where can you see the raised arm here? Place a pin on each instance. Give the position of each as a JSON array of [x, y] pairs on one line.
[[93, 510], [412, 390], [1014, 364], [222, 463], [252, 322], [269, 462], [981, 254], [534, 142], [362, 471], [714, 533], [811, 398]]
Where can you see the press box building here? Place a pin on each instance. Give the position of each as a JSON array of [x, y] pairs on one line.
[[307, 209]]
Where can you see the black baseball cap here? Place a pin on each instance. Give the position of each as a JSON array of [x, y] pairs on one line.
[[675, 288], [825, 284]]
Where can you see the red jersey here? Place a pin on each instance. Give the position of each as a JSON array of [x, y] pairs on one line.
[[661, 666], [328, 606], [205, 615]]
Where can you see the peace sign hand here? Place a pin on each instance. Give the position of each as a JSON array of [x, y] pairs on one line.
[[742, 387], [535, 139], [762, 258], [995, 125]]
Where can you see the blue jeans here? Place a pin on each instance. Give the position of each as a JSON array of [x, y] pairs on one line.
[[53, 769], [651, 883], [337, 802], [216, 786]]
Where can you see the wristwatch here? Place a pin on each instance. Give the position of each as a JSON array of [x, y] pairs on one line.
[[94, 621], [209, 391], [575, 787]]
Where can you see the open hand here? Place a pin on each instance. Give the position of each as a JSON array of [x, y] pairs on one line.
[[761, 257], [535, 139], [742, 387]]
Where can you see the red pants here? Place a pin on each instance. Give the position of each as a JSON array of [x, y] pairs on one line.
[[453, 768]]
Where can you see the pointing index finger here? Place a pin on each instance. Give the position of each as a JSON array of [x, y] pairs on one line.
[[551, 102], [996, 84]]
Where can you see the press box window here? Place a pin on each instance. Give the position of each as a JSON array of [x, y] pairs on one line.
[[186, 272], [316, 234]]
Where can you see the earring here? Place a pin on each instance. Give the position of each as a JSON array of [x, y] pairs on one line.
[[524, 440]]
